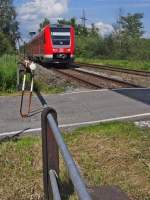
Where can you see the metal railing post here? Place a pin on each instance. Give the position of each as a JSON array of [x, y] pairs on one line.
[[74, 174], [50, 152]]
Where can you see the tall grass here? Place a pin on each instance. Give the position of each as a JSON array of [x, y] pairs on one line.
[[8, 74], [129, 64]]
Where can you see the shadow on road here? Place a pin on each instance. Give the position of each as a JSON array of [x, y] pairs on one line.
[[142, 95]]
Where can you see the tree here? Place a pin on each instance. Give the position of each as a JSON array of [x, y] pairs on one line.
[[63, 22], [127, 34], [8, 24], [94, 31], [79, 30], [5, 45], [45, 22], [132, 25]]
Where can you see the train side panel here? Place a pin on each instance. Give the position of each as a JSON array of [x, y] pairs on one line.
[[48, 51], [72, 47]]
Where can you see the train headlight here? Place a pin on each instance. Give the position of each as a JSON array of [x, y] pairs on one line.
[[54, 50]]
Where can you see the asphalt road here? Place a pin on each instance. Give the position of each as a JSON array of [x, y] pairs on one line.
[[77, 107]]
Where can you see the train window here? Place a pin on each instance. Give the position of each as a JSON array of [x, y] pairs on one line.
[[55, 37], [61, 40]]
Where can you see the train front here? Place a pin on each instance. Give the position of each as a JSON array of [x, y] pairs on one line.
[[63, 43]]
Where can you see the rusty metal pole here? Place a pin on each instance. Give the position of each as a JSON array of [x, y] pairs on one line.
[[50, 152]]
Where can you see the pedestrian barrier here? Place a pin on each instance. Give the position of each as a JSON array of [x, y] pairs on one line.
[[52, 143], [28, 68]]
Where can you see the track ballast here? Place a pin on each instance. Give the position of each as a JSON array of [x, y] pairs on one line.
[[93, 79], [114, 68]]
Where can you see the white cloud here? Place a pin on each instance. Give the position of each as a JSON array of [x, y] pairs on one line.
[[31, 13], [104, 29], [147, 35]]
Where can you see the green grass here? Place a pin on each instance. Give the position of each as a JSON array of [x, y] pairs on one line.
[[20, 174], [8, 76], [46, 89], [108, 154], [129, 64]]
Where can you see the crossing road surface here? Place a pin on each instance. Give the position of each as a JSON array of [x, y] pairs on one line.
[[78, 108]]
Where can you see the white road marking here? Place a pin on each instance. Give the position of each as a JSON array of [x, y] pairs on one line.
[[78, 124], [105, 120], [83, 91], [17, 132]]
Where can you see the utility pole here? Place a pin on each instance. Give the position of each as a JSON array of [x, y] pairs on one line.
[[83, 18]]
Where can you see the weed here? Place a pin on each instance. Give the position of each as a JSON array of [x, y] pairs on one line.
[[45, 88], [8, 76]]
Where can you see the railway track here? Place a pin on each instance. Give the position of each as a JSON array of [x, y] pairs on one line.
[[94, 79], [114, 69]]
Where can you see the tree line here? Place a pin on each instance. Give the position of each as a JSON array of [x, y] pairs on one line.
[[125, 42], [9, 27]]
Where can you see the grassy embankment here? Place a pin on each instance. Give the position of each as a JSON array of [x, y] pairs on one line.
[[108, 154], [7, 74], [129, 64], [44, 88], [8, 78]]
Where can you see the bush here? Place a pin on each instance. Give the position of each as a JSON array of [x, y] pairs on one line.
[[89, 46], [94, 46], [5, 46]]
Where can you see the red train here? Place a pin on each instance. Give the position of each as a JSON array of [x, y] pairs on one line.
[[55, 43]]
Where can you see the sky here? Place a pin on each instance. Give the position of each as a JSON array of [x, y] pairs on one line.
[[101, 12]]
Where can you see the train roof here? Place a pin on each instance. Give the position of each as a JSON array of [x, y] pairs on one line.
[[56, 26]]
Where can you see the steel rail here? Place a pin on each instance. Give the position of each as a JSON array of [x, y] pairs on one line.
[[105, 78], [79, 79], [113, 68]]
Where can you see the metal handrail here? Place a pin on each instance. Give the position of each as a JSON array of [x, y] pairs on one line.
[[52, 142]]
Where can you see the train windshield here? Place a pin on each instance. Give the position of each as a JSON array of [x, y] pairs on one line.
[[60, 29], [60, 36]]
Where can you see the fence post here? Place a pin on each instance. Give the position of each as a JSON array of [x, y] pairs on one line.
[[50, 151]]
